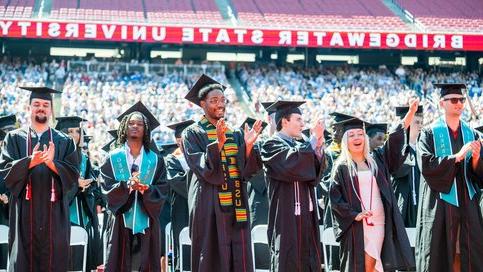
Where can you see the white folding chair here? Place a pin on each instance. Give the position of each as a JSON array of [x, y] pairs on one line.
[[184, 240], [4, 240], [412, 236], [259, 236], [328, 240], [168, 245], [78, 237]]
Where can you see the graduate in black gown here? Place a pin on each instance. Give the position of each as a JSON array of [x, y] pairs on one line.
[[177, 170], [369, 227], [134, 180], [39, 167], [83, 210], [7, 123], [450, 223], [293, 169], [377, 135], [405, 180], [221, 159]]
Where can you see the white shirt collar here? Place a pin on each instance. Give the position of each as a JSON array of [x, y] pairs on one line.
[[130, 158]]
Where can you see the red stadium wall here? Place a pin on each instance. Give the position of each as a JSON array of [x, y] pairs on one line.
[[237, 36]]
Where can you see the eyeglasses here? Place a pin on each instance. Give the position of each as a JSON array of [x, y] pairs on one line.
[[455, 100], [216, 101]]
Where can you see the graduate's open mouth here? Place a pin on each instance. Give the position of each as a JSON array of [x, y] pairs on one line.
[[357, 144]]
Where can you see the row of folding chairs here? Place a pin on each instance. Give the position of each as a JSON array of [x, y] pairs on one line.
[[78, 237], [259, 236]]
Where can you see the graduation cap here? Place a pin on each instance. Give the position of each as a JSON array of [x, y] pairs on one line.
[[179, 127], [167, 149], [87, 139], [250, 121], [353, 123], [266, 105], [402, 111], [139, 107], [8, 121], [107, 147], [2, 135], [201, 88], [450, 88], [68, 122], [381, 127], [284, 107], [479, 129], [327, 135], [113, 133], [339, 117], [43, 93]]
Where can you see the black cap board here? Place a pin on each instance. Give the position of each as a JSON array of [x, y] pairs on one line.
[[179, 127], [354, 123], [380, 127], [107, 147], [339, 117], [479, 129], [266, 105], [139, 107], [250, 121], [203, 86], [402, 111], [68, 122], [43, 93], [8, 121], [450, 88], [284, 107]]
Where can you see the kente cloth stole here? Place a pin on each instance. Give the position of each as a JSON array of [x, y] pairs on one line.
[[443, 148], [230, 193], [135, 218]]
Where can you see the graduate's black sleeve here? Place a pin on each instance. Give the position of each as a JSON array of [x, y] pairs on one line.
[[344, 214], [439, 172], [67, 164], [118, 198], [477, 174], [394, 151], [291, 164], [14, 171], [203, 160], [253, 162], [154, 197], [176, 176]]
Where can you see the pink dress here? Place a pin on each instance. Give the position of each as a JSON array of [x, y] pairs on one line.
[[373, 235]]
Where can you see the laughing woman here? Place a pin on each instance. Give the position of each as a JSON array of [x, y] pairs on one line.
[[367, 221]]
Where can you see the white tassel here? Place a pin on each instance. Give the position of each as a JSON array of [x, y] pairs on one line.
[[311, 206]]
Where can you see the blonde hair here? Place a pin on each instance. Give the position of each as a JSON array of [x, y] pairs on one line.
[[346, 157]]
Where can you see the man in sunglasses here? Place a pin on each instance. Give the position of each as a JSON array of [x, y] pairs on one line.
[[449, 223]]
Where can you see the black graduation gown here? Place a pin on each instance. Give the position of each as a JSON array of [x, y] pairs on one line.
[[3, 221], [177, 181], [438, 221], [39, 233], [396, 251], [218, 242], [294, 241], [125, 251], [87, 200], [405, 184]]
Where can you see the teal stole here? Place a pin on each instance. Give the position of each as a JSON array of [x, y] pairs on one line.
[[76, 208], [135, 218], [442, 146]]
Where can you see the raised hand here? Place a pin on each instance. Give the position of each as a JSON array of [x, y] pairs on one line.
[[84, 184], [318, 131], [36, 157], [463, 151], [221, 129], [413, 107], [251, 134]]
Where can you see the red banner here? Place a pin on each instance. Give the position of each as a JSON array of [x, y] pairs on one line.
[[236, 36]]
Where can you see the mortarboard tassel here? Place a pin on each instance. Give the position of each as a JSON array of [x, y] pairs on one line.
[[52, 192], [28, 193]]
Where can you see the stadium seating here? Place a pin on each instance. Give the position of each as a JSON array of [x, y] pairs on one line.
[[17, 9]]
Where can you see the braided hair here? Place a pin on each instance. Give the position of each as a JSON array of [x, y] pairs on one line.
[[123, 126]]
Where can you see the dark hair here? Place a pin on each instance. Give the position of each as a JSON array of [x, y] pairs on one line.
[[122, 131], [285, 116], [207, 89], [373, 132]]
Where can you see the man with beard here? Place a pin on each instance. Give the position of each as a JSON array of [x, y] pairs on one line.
[[83, 210], [377, 135], [220, 158], [134, 180], [39, 167], [293, 169], [449, 224]]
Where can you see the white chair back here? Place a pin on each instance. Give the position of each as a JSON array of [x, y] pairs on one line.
[[79, 237], [259, 236], [184, 240], [4, 240]]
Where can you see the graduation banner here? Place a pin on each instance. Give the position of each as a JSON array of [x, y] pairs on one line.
[[158, 33]]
